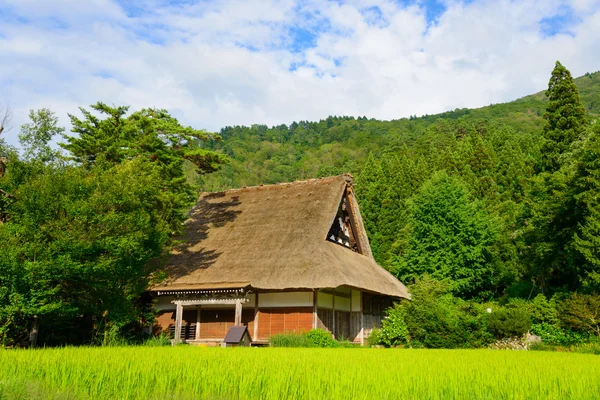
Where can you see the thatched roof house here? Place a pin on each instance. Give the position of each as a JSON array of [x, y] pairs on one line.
[[289, 251]]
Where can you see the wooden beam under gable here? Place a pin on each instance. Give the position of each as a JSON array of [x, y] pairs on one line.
[[357, 224]]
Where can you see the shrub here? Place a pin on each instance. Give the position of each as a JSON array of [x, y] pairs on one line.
[[580, 312], [321, 338], [290, 340], [394, 331], [543, 311], [375, 338], [347, 344], [512, 320], [587, 348], [556, 335], [312, 338], [155, 341], [436, 319]]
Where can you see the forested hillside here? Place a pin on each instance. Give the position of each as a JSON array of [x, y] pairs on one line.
[[342, 144], [476, 167]]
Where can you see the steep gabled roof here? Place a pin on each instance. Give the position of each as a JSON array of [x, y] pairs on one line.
[[274, 238]]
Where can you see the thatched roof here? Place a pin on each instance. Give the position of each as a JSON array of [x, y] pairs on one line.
[[274, 238]]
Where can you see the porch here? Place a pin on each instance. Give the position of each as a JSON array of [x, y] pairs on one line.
[[204, 317]]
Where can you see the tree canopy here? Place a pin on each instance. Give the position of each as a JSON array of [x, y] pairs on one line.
[[79, 231], [565, 117]]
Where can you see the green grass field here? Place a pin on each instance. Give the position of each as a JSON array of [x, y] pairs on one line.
[[279, 373]]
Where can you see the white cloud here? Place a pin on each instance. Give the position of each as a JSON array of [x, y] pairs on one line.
[[225, 63]]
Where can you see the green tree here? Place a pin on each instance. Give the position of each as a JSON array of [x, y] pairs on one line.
[[36, 135], [369, 192], [435, 318], [76, 238], [149, 134], [552, 211], [581, 312], [451, 239], [548, 225], [565, 117], [587, 186], [79, 242]]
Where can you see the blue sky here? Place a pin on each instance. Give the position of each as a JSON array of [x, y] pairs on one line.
[[217, 63]]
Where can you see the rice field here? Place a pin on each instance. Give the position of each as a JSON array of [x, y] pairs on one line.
[[280, 373]]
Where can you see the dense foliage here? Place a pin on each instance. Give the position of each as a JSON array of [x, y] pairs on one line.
[[77, 237], [312, 338], [434, 318]]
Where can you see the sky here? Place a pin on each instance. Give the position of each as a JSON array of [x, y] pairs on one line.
[[242, 62]]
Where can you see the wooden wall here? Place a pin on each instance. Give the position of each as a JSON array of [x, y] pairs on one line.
[[214, 323], [272, 321], [356, 315], [347, 324], [165, 323], [374, 307]]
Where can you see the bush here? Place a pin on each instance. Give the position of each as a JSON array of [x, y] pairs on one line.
[[290, 340], [543, 311], [579, 312], [156, 341], [587, 348], [375, 338], [510, 321], [312, 338], [554, 334], [321, 338], [436, 319], [394, 331]]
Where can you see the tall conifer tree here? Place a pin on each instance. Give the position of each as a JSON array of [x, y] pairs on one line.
[[565, 117], [369, 191], [587, 187]]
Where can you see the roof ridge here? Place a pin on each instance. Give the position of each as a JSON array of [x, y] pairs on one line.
[[347, 177]]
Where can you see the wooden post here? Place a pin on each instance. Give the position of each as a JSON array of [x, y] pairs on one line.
[[362, 321], [198, 323], [333, 312], [34, 331], [255, 335], [315, 323], [238, 312], [178, 318]]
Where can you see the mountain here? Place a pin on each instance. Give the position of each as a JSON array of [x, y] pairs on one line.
[[263, 155]]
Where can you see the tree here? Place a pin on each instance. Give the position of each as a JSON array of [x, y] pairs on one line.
[[369, 192], [587, 186], [451, 239], [544, 233], [565, 117], [149, 134], [552, 211], [5, 118], [436, 319], [36, 135], [581, 312], [79, 242], [81, 235]]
